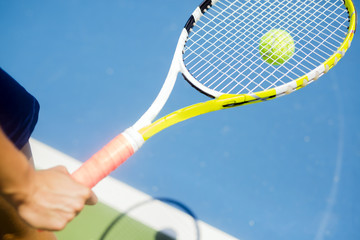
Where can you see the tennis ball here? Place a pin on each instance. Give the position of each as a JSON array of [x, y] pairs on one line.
[[276, 47]]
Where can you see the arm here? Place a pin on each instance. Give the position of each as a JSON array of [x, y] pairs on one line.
[[46, 199]]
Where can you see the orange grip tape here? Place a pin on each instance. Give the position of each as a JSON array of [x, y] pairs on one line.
[[104, 161]]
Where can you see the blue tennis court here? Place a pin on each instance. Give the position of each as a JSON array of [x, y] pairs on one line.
[[282, 169]]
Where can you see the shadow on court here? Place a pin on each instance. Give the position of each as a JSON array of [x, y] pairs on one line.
[[125, 227]]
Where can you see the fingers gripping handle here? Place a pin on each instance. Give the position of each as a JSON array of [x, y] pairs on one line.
[[108, 158]]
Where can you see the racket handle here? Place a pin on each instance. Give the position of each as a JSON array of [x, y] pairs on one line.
[[111, 156]]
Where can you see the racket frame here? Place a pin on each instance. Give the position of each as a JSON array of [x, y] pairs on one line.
[[221, 100], [127, 143]]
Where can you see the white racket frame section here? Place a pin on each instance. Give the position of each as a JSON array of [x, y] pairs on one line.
[[177, 65]]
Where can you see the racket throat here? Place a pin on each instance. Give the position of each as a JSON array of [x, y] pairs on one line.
[[167, 88]]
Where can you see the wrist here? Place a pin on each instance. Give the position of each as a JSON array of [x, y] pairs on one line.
[[17, 188]]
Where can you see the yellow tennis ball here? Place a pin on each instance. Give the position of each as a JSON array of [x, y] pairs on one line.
[[276, 47]]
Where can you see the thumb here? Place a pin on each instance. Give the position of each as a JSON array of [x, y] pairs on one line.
[[92, 200], [61, 169]]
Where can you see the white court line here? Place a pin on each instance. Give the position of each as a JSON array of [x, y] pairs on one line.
[[123, 197]]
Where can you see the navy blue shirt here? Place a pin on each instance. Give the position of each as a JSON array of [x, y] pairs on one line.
[[19, 110]]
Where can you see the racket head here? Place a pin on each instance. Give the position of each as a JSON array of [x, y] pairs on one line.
[[218, 52], [221, 53]]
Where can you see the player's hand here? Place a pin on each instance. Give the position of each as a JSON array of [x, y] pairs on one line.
[[53, 199]]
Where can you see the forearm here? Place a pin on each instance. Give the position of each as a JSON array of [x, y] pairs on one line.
[[46, 199], [15, 171]]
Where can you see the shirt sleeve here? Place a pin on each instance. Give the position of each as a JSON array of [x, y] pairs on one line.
[[19, 110]]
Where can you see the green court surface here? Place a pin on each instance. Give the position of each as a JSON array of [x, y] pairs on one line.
[[101, 222]]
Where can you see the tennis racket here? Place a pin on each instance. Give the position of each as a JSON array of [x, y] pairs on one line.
[[218, 54]]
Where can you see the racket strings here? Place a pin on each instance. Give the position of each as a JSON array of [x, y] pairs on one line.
[[222, 51], [235, 50], [334, 20], [253, 10], [308, 55], [245, 49], [249, 54], [280, 79]]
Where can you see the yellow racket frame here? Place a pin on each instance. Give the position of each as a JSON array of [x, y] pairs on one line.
[[127, 143], [232, 100]]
